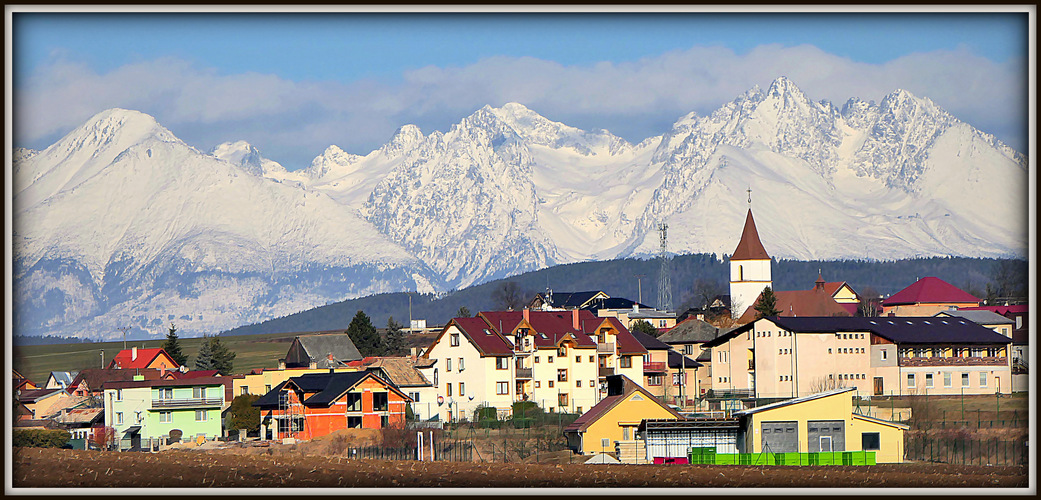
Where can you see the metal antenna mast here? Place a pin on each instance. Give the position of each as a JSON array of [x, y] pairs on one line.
[[639, 287], [664, 282]]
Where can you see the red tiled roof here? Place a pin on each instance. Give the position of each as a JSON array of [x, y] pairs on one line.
[[1002, 310], [627, 343], [930, 290], [749, 247], [803, 303], [605, 405], [483, 336], [144, 358]]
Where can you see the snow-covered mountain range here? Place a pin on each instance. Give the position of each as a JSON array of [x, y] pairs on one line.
[[120, 223]]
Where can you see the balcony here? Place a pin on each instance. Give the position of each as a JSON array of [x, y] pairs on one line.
[[654, 366], [523, 372], [971, 361], [187, 402], [605, 348], [605, 371]]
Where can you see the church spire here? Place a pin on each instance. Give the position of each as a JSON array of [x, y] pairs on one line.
[[750, 247]]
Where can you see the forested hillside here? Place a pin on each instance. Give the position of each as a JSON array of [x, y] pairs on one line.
[[692, 276]]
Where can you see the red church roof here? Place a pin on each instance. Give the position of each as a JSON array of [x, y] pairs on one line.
[[750, 247], [930, 290]]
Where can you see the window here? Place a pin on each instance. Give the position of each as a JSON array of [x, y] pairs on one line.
[[883, 354], [448, 364], [435, 377], [448, 389], [502, 363], [965, 380], [947, 379], [829, 350], [661, 323], [244, 390], [119, 394], [578, 383], [562, 399], [502, 388], [928, 379], [384, 421], [550, 385], [549, 359], [578, 410], [679, 378], [870, 441], [910, 380], [354, 422], [562, 375], [454, 340], [578, 359], [461, 366], [165, 417], [562, 351], [983, 379], [198, 392], [200, 415], [462, 389], [654, 380], [592, 359], [688, 349], [537, 384], [536, 359], [626, 362], [119, 418], [380, 401], [414, 396]]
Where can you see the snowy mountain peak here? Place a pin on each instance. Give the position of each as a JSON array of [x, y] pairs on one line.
[[332, 161], [404, 139], [247, 156]]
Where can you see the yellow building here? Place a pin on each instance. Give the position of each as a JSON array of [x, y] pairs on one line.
[[616, 417], [821, 422]]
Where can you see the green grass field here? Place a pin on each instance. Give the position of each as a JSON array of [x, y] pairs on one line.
[[252, 351]]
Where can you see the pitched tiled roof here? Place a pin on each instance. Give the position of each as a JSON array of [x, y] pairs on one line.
[[605, 405], [794, 303], [749, 247], [901, 330], [569, 300], [97, 377], [1002, 310], [626, 341], [677, 360], [691, 330], [401, 371], [126, 361], [194, 374], [614, 303], [930, 290], [484, 337], [649, 342], [319, 346]]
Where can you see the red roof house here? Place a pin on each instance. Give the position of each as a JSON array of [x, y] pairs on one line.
[[134, 358], [927, 297]]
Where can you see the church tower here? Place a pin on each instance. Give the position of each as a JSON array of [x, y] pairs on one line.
[[749, 269]]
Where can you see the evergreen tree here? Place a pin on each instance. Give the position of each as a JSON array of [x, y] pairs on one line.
[[464, 312], [243, 415], [395, 342], [767, 304], [173, 347], [364, 335], [222, 359], [645, 327], [204, 358]]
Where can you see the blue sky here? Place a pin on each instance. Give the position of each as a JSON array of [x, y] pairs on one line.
[[294, 83]]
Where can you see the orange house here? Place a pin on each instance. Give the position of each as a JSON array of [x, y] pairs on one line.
[[155, 359], [317, 404]]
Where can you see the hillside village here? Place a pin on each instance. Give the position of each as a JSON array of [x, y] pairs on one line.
[[751, 372]]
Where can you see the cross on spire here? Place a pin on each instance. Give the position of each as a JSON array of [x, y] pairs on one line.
[[749, 195]]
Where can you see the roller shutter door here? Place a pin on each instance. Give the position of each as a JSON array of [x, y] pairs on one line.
[[826, 435], [780, 437]]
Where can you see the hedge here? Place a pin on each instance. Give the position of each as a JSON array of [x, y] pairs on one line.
[[40, 438]]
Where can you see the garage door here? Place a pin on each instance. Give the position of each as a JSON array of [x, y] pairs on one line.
[[826, 435], [780, 437]]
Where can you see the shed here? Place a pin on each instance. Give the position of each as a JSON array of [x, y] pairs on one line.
[[674, 438], [321, 350]]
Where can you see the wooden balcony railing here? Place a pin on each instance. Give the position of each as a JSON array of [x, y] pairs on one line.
[[607, 347], [970, 361], [604, 371]]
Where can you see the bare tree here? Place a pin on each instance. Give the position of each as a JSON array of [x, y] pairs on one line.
[[824, 384], [508, 295], [870, 302]]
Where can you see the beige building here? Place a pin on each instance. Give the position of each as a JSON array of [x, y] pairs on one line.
[[793, 357]]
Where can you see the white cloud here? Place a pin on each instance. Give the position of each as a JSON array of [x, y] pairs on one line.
[[294, 121]]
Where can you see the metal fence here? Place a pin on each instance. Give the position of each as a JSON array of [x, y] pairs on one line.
[[970, 451], [455, 450]]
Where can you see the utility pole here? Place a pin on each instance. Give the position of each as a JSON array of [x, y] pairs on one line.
[[124, 330], [639, 287]]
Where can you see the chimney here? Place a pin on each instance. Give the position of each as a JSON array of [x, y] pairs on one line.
[[527, 315], [574, 320], [133, 353], [282, 364]]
